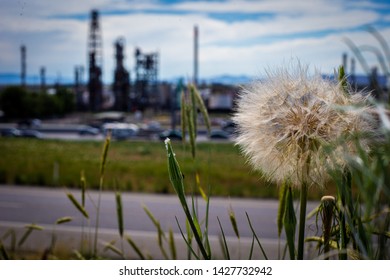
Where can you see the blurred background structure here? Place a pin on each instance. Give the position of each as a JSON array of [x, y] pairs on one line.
[[143, 88], [95, 60]]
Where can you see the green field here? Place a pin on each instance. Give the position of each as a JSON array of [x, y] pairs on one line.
[[131, 166]]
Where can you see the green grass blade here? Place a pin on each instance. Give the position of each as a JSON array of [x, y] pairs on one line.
[[191, 130], [290, 222], [172, 245], [194, 112], [359, 56], [78, 205], [175, 174], [83, 183], [251, 248], [183, 116], [176, 178], [104, 155], [29, 229], [189, 237], [201, 191], [102, 169], [119, 212], [156, 223], [224, 244], [160, 233], [189, 245], [3, 252], [78, 255], [10, 232], [63, 220], [385, 47], [281, 207], [233, 222], [135, 248], [110, 246], [202, 107], [195, 219], [255, 236], [207, 241]]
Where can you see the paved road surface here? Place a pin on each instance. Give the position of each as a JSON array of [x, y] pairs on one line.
[[23, 205]]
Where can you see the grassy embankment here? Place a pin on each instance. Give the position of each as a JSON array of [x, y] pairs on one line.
[[132, 166]]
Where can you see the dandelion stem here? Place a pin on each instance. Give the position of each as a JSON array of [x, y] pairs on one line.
[[302, 220]]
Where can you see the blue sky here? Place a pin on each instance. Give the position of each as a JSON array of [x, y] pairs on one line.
[[235, 37]]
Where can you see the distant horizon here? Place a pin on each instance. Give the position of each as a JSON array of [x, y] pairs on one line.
[[13, 79]]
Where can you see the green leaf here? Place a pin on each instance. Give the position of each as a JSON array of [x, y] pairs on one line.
[[290, 222], [176, 178], [175, 174]]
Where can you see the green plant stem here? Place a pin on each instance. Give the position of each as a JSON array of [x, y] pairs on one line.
[[302, 220], [343, 237], [97, 216], [344, 193]]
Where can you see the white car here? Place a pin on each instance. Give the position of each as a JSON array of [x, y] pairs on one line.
[[120, 130]]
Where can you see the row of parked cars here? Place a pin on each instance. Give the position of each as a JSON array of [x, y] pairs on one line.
[[118, 130], [14, 132]]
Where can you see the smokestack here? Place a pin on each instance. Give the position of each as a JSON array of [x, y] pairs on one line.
[[23, 65], [353, 70], [43, 79], [195, 55], [345, 62]]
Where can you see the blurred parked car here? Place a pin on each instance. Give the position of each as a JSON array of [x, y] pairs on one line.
[[219, 134], [88, 130], [10, 132], [171, 134], [30, 133], [229, 126], [120, 131], [150, 129]]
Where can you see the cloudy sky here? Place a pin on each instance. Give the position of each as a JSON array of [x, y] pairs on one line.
[[236, 37]]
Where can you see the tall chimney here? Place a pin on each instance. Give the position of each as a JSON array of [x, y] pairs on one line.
[[353, 72], [345, 57], [43, 78], [195, 55], [23, 66]]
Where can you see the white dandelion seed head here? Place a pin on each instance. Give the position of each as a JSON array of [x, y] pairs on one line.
[[284, 122]]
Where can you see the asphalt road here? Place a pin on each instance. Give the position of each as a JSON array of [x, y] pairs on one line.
[[20, 205]]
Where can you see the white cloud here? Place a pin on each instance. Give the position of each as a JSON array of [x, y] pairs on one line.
[[238, 47]]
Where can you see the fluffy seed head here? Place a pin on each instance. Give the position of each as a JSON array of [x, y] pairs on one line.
[[285, 121]]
